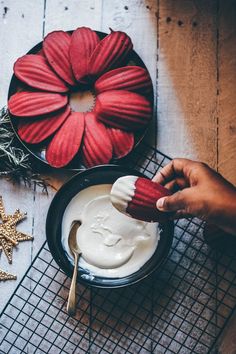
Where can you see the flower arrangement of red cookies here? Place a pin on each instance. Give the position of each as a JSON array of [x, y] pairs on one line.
[[69, 62]]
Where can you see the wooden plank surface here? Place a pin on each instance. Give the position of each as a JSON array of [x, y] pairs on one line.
[[69, 15], [187, 80], [21, 27], [189, 49], [227, 92], [189, 44], [13, 198]]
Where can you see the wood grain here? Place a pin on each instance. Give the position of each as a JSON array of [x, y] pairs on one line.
[[13, 198], [69, 15], [187, 80], [227, 92], [21, 27]]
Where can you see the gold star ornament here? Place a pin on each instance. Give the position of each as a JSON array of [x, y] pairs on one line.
[[6, 276], [9, 236]]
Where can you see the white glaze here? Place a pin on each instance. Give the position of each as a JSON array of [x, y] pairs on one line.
[[112, 244], [122, 192]]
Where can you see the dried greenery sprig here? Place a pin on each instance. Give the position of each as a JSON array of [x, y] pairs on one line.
[[15, 162]]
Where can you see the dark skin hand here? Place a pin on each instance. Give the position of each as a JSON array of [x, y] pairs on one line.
[[198, 191]]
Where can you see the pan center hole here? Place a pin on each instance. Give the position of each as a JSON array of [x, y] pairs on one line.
[[82, 101]]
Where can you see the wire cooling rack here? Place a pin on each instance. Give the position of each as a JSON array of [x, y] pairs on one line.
[[180, 309]]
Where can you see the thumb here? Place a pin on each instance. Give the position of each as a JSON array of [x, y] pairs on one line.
[[174, 202]]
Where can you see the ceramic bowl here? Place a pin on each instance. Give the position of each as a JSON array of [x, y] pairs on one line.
[[106, 174]]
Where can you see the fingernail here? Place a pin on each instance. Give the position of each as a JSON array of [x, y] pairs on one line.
[[160, 203]]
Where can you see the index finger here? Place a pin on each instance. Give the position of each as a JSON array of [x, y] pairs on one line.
[[175, 168]]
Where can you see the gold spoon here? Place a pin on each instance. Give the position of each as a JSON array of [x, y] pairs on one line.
[[75, 250]]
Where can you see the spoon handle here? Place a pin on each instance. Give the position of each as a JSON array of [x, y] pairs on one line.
[[71, 304]]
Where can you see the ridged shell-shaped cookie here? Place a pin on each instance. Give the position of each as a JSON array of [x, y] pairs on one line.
[[97, 147], [67, 141], [123, 109], [143, 204], [83, 42], [140, 199], [56, 46], [122, 142], [35, 130], [110, 53], [129, 78], [31, 104], [35, 72]]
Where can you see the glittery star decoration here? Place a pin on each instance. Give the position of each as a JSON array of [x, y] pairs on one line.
[[6, 276], [9, 236]]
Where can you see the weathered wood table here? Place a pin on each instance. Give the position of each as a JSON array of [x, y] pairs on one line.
[[188, 46]]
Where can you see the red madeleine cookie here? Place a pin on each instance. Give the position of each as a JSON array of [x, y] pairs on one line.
[[97, 147], [137, 197], [122, 142], [31, 104], [83, 42], [123, 109], [110, 53], [129, 78], [56, 46], [35, 72], [67, 141], [35, 130]]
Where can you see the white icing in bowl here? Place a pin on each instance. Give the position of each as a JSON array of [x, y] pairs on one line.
[[113, 245]]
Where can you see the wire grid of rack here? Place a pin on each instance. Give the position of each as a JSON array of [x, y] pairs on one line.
[[182, 308]]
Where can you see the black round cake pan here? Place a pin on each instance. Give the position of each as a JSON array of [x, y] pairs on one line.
[[38, 150]]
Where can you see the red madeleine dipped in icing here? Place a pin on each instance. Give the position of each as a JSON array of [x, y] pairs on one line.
[[31, 104], [35, 72], [110, 53], [83, 42], [35, 130], [67, 141], [129, 78], [56, 46], [137, 197], [122, 142], [97, 147], [123, 109]]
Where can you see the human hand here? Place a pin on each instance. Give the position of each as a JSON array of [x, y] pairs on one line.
[[198, 191]]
